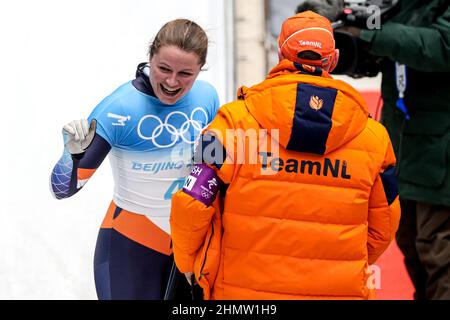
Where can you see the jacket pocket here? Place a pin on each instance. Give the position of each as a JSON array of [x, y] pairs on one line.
[[424, 158]]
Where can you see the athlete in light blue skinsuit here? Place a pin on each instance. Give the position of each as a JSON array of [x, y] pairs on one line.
[[148, 127]]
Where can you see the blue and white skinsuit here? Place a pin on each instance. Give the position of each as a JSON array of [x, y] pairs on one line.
[[150, 146]]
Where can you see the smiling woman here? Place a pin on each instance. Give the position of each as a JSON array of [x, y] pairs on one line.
[[176, 56], [148, 126], [173, 72]]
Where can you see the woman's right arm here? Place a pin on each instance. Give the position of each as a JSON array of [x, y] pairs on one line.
[[84, 151]]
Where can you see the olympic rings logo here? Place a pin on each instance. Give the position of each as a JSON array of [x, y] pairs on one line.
[[176, 133], [205, 194]]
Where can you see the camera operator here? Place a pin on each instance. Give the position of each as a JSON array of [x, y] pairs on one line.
[[415, 45], [330, 9]]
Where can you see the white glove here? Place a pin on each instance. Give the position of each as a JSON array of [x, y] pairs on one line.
[[78, 135]]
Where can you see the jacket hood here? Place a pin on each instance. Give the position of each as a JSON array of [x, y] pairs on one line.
[[313, 112]]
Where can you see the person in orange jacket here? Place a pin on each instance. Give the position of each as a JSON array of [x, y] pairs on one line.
[[293, 195]]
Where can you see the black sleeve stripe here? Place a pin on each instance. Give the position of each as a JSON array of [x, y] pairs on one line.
[[210, 151], [389, 180], [95, 153]]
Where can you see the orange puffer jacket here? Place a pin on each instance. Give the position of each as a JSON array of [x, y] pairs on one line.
[[301, 222]]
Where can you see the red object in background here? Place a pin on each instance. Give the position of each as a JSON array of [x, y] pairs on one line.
[[374, 102], [395, 282], [348, 11]]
